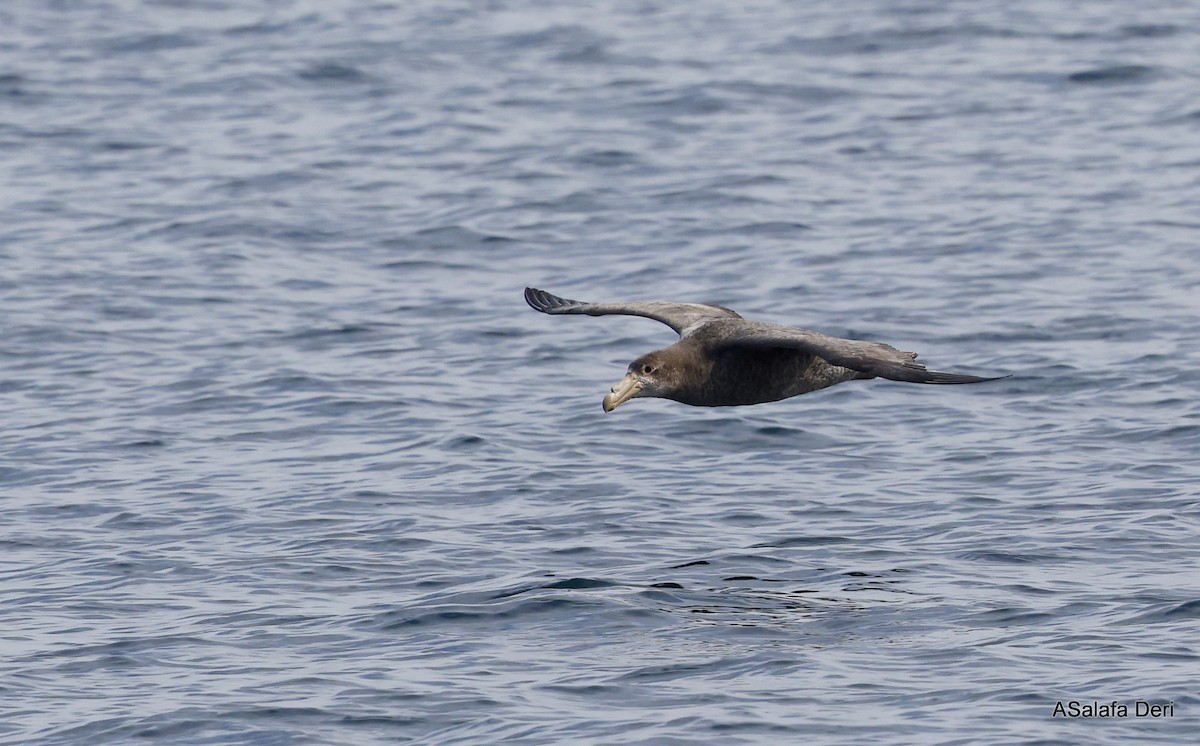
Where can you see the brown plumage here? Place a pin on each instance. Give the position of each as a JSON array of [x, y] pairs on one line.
[[724, 360]]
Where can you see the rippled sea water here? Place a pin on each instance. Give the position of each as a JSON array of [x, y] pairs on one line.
[[287, 460]]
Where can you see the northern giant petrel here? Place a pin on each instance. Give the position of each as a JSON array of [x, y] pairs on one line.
[[724, 360]]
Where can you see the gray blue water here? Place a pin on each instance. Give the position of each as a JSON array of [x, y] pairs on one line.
[[287, 460]]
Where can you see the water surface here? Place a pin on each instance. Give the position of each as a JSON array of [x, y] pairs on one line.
[[287, 460]]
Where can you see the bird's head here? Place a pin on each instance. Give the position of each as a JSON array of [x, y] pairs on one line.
[[652, 374]]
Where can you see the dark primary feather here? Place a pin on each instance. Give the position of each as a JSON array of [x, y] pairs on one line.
[[679, 316]]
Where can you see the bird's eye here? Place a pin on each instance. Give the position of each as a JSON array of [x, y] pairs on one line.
[[646, 369]]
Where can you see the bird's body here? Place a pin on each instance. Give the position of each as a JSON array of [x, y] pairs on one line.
[[722, 359], [731, 376]]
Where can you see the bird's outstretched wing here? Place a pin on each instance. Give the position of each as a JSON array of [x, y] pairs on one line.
[[872, 358], [682, 317]]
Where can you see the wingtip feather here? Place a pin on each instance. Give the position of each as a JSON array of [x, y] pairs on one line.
[[540, 300], [937, 377]]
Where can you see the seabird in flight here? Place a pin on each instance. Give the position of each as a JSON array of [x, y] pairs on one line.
[[723, 360]]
